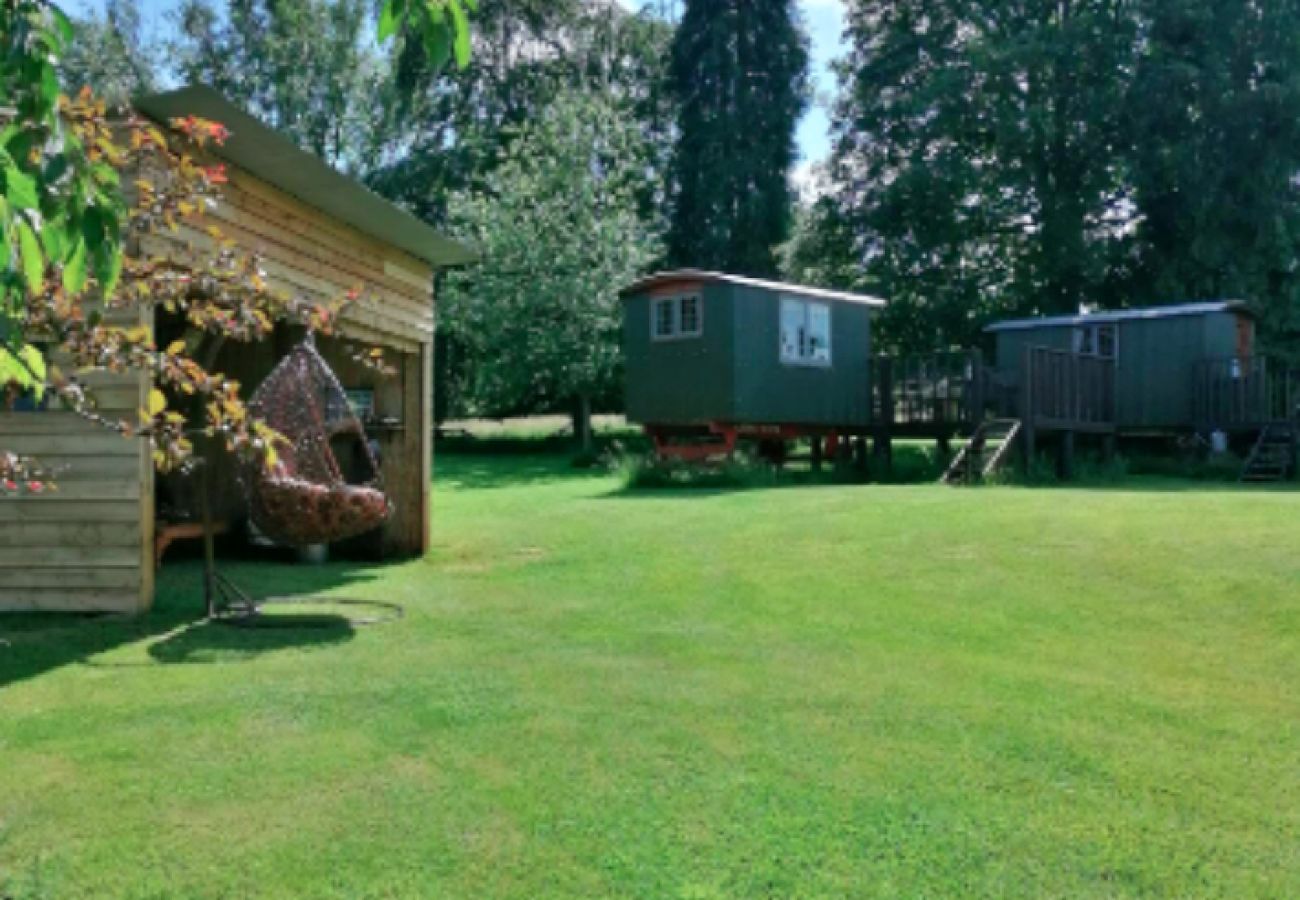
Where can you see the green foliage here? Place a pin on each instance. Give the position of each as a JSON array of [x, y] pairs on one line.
[[638, 472], [60, 203], [1007, 158], [559, 230], [439, 27], [1219, 467], [821, 251], [739, 72], [306, 67], [25, 368], [975, 157], [1214, 154], [444, 132]]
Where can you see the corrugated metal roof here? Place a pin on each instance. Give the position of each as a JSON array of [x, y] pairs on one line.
[[272, 157], [662, 278], [1123, 315]]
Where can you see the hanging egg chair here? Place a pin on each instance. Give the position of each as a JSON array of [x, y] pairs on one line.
[[303, 498]]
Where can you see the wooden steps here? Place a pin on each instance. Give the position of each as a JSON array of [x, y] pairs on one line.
[[1273, 457], [976, 461]]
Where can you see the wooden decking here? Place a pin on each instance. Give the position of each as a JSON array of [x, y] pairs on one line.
[[1234, 394], [928, 395]]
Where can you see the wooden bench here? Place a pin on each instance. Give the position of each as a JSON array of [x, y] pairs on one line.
[[180, 531]]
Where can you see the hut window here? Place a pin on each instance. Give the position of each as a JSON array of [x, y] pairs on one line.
[[676, 317], [805, 332], [664, 324], [689, 315], [1095, 340]]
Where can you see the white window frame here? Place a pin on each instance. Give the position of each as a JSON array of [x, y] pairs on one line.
[[674, 302], [1091, 336], [805, 352]]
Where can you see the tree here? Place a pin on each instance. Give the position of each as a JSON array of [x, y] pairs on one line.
[[445, 134], [821, 251], [305, 67], [1215, 153], [976, 157], [111, 55], [560, 233], [739, 76]]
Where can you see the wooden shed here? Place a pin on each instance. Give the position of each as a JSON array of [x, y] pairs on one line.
[[1167, 360], [711, 350], [91, 546]]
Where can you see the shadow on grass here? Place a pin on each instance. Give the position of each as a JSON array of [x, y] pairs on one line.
[[34, 643], [218, 642], [482, 472]]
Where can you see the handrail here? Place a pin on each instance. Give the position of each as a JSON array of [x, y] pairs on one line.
[[941, 388], [1067, 389], [1243, 392]]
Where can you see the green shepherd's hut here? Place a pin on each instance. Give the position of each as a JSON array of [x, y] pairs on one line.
[[739, 356]]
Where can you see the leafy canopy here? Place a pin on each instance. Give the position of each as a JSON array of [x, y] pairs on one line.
[[739, 74], [559, 229]]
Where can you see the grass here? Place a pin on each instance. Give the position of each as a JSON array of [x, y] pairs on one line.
[[815, 690]]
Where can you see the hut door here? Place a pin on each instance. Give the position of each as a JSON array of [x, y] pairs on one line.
[[1245, 337]]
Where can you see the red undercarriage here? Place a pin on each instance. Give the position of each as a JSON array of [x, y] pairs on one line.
[[718, 440]]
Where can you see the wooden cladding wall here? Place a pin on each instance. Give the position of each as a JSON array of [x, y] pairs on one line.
[[86, 546], [311, 255]]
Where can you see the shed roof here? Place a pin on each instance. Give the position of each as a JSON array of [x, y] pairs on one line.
[[659, 279], [275, 159], [1123, 315]]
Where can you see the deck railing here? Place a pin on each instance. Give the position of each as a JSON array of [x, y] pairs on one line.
[[1066, 390], [940, 389], [1244, 392]]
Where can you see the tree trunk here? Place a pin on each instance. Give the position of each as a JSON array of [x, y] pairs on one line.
[[582, 423]]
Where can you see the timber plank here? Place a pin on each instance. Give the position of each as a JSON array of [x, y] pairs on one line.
[[245, 183], [70, 445], [80, 533], [343, 276], [121, 489], [307, 240], [52, 423], [74, 577], [68, 600], [63, 557], [394, 332], [19, 509]]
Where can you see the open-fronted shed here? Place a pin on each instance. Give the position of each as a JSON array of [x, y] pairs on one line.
[[93, 544]]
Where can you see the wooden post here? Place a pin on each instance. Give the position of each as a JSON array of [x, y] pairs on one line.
[[975, 400], [1065, 456], [843, 454], [1027, 414], [209, 542], [860, 453], [816, 452], [884, 449]]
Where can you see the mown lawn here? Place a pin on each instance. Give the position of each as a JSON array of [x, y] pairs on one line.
[[806, 691]]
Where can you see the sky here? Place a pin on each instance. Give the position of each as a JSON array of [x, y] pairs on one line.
[[823, 18], [825, 22]]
